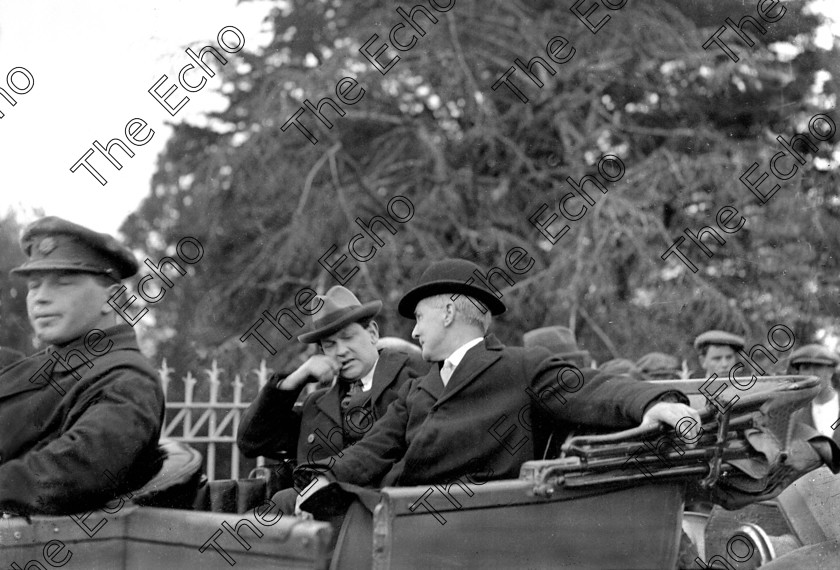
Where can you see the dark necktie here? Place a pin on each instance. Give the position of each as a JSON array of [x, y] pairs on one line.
[[355, 388]]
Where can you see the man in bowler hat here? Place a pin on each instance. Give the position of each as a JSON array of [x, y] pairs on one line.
[[445, 425], [79, 420], [332, 418]]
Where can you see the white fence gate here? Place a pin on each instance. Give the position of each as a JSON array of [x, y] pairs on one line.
[[211, 423]]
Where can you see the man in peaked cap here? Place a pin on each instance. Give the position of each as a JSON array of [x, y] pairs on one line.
[[333, 418], [560, 341], [80, 420], [446, 426], [717, 351], [823, 413]]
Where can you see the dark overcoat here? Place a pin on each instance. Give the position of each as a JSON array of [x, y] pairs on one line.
[[271, 426], [497, 410], [71, 444]]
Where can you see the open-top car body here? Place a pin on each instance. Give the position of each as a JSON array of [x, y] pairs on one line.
[[608, 501]]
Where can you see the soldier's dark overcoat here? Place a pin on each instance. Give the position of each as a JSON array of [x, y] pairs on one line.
[[71, 444]]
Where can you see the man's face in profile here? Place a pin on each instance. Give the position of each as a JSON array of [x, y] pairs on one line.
[[719, 359], [65, 305], [429, 330]]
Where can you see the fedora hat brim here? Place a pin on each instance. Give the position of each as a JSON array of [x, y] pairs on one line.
[[341, 320], [409, 301]]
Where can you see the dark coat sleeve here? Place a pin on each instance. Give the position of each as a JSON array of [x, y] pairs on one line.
[[270, 426], [113, 428], [565, 393]]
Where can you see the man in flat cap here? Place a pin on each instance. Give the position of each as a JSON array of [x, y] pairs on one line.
[[717, 352], [823, 413], [332, 418], [80, 420], [446, 425], [659, 366]]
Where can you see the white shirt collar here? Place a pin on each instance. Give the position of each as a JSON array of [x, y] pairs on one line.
[[826, 414], [367, 379], [456, 357]]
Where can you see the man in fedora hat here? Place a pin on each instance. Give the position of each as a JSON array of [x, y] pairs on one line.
[[560, 341], [823, 413], [446, 425], [335, 417], [80, 420], [717, 352]]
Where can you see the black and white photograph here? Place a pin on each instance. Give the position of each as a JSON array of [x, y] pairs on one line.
[[419, 284]]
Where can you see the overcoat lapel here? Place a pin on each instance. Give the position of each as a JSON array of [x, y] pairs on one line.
[[15, 378], [330, 404], [476, 360], [385, 374], [431, 382], [62, 364]]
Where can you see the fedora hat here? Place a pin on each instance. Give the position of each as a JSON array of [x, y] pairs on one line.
[[340, 308], [560, 341], [455, 276]]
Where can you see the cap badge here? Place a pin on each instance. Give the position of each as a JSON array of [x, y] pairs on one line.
[[46, 246]]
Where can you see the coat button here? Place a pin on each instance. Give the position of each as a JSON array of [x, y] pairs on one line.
[[310, 438]]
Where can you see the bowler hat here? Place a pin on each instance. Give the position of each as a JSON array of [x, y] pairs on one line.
[[719, 337], [54, 244], [340, 308], [813, 354], [452, 276], [560, 341]]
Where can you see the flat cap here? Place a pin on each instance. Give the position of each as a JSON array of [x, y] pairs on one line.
[[621, 366], [814, 354], [560, 341], [658, 362], [54, 244], [719, 337]]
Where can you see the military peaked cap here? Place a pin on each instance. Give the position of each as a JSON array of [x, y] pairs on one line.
[[54, 244]]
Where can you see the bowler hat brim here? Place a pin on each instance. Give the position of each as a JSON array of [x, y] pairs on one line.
[[409, 301], [341, 320]]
